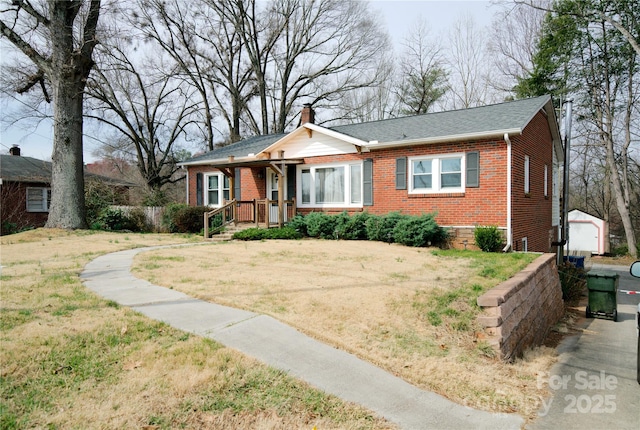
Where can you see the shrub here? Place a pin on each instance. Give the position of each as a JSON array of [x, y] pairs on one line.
[[138, 220], [419, 231], [182, 218], [381, 228], [488, 238], [353, 227], [286, 232], [320, 225], [112, 219], [299, 224]]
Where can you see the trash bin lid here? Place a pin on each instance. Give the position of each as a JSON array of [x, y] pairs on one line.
[[603, 274]]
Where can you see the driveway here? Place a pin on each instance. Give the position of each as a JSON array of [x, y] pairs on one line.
[[594, 384]]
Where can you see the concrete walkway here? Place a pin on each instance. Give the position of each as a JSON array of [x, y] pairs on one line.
[[278, 345]]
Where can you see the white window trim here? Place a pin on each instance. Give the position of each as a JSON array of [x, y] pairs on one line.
[[205, 191], [527, 168], [45, 199], [546, 180], [347, 185], [435, 174], [525, 244]]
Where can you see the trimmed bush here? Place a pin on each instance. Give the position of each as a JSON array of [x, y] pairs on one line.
[[380, 228], [419, 231], [320, 225], [299, 224], [286, 232], [488, 238]]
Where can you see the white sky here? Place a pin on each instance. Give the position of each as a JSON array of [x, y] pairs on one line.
[[399, 15]]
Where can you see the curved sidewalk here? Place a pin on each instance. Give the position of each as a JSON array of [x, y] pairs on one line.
[[278, 345]]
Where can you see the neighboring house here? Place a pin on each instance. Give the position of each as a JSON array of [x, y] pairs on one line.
[[491, 165], [587, 233], [25, 190]]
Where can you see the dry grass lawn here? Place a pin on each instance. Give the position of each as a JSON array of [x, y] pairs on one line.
[[69, 359], [408, 310]]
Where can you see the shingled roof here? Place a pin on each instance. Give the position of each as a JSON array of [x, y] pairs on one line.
[[16, 168], [496, 119]]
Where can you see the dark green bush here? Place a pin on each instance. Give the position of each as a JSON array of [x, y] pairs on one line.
[[299, 224], [352, 227], [419, 231], [138, 220], [320, 225], [112, 219], [488, 238], [286, 232], [380, 228]]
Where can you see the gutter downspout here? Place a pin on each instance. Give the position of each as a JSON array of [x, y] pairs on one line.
[[509, 232]]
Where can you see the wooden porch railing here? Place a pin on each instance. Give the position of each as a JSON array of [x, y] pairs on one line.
[[246, 211], [227, 215]]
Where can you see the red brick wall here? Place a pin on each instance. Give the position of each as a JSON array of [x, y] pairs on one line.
[[13, 205], [531, 213]]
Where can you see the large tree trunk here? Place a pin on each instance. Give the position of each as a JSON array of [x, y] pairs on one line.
[[67, 193]]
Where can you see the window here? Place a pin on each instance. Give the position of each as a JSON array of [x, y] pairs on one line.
[[526, 174], [546, 180], [440, 174], [217, 189], [331, 185], [38, 199], [525, 244]]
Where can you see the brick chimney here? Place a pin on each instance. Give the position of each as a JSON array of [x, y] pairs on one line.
[[15, 150], [308, 114]]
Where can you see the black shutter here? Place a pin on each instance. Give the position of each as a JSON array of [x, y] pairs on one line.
[[367, 182], [236, 184], [473, 169], [199, 186], [401, 173], [291, 182]]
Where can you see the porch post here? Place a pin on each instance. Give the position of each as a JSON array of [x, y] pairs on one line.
[[232, 184], [281, 177]]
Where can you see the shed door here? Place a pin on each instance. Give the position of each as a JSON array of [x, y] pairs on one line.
[[584, 236]]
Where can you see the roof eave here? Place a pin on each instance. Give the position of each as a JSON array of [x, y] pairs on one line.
[[493, 134]]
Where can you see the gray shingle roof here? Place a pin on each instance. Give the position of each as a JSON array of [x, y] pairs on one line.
[[503, 116], [513, 115], [251, 145], [15, 168]]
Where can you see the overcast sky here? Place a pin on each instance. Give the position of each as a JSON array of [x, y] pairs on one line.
[[399, 16]]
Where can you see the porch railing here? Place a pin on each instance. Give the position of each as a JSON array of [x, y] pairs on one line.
[[261, 212], [221, 216]]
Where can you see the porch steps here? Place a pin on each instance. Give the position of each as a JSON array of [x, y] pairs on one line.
[[229, 231]]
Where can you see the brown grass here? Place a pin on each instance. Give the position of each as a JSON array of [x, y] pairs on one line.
[[368, 298], [70, 359]]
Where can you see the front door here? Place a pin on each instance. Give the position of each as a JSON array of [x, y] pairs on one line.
[[272, 194]]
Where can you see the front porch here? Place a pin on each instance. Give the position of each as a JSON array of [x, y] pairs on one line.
[[263, 213]]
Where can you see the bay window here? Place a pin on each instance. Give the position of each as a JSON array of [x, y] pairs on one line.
[[336, 185]]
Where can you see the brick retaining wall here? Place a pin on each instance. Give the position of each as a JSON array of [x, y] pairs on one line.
[[520, 311]]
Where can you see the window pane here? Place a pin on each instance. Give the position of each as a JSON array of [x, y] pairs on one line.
[[356, 184], [35, 200], [213, 198], [451, 165], [330, 185], [422, 181], [305, 179], [226, 182], [213, 182], [451, 180], [423, 166], [226, 194]]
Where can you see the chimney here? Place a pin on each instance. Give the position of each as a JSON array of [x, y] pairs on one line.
[[15, 150], [308, 115]]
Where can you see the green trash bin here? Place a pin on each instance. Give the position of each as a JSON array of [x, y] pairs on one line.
[[603, 287]]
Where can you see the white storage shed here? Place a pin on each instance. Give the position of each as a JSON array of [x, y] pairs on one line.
[[587, 233]]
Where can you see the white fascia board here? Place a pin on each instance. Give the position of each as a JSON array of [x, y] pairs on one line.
[[494, 134], [216, 161]]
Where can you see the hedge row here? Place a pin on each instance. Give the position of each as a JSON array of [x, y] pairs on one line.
[[394, 227]]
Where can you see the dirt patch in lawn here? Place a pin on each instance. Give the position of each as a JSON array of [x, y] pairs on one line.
[[408, 310]]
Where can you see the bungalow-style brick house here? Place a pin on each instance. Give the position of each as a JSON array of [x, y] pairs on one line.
[[25, 190], [491, 165]]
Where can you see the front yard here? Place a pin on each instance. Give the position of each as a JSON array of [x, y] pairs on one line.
[[409, 310]]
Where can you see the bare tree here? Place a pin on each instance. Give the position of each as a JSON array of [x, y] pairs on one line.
[[58, 37], [422, 77], [147, 107], [467, 65]]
